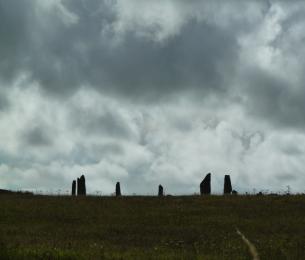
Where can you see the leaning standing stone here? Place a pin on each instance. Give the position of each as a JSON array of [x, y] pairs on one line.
[[205, 185]]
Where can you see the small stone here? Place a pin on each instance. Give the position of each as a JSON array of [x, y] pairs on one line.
[[117, 189]]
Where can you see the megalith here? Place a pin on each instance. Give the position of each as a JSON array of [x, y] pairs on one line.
[[160, 191], [227, 187], [205, 185], [73, 188], [81, 186], [78, 187], [117, 189]]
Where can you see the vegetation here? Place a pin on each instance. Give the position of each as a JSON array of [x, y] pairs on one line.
[[189, 227]]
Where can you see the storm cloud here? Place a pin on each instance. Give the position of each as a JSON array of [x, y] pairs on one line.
[[146, 92]]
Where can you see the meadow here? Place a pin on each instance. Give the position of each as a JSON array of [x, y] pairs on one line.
[[135, 227]]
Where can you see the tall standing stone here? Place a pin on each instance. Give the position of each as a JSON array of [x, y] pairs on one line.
[[117, 189], [78, 187], [83, 185], [227, 187], [205, 185], [73, 188], [160, 191]]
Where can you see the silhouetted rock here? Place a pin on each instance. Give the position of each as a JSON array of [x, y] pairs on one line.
[[160, 191], [205, 185], [73, 188], [117, 189], [78, 187], [81, 186], [234, 192], [227, 187]]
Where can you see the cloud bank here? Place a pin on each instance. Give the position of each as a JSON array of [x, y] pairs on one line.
[[152, 92]]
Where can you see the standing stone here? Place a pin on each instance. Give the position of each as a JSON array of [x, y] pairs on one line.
[[117, 189], [78, 187], [73, 188], [205, 185], [83, 185], [227, 187], [160, 191]]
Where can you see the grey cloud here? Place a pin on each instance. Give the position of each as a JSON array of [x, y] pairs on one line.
[[286, 177], [4, 102], [274, 99], [89, 154], [14, 37], [104, 124], [247, 137], [37, 136], [63, 57]]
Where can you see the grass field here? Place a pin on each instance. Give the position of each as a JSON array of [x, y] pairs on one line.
[[190, 227]]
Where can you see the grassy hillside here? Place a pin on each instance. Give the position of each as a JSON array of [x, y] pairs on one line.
[[42, 227]]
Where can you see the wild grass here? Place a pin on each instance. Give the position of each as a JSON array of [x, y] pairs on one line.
[[189, 227]]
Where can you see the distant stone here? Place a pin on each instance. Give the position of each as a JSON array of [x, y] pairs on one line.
[[118, 189], [234, 192], [81, 186], [227, 189], [78, 187], [160, 191], [73, 188], [205, 185]]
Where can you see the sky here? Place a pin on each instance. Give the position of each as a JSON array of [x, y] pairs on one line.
[[152, 92]]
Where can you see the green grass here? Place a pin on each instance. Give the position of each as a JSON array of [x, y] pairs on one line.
[[190, 227]]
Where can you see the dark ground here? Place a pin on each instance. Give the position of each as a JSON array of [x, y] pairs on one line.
[[190, 227]]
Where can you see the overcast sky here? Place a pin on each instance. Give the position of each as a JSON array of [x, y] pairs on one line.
[[152, 92]]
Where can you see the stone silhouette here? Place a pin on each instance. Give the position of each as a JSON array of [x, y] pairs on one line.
[[205, 185], [82, 178], [81, 186], [117, 189], [234, 192], [227, 187], [73, 188], [78, 186], [160, 191]]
